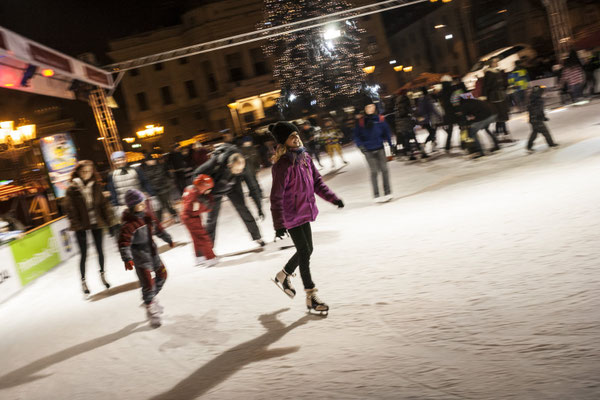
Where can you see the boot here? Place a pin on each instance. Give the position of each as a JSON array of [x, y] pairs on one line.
[[103, 278], [314, 303], [84, 286], [282, 280]]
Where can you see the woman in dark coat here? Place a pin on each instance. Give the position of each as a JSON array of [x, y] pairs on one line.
[[495, 84], [88, 210]]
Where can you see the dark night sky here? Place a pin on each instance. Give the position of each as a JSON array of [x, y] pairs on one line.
[[78, 26]]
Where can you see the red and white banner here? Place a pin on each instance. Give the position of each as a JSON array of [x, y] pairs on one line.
[[55, 72]]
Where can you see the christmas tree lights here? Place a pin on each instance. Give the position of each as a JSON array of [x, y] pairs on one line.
[[319, 65]]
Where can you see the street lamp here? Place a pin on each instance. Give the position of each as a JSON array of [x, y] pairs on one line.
[[398, 68], [150, 131], [369, 70], [408, 69]]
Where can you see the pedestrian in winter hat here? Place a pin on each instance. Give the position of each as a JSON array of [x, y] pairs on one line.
[[134, 197], [295, 183]]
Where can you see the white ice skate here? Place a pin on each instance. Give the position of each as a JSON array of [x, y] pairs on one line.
[[313, 303], [282, 280], [203, 262], [153, 314], [386, 198]]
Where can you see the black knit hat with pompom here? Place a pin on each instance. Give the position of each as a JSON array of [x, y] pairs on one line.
[[282, 130]]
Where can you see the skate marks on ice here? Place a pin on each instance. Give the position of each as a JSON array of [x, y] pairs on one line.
[[225, 365], [31, 372], [114, 290], [165, 247]]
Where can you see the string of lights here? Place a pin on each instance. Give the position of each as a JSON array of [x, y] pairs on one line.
[[321, 63]]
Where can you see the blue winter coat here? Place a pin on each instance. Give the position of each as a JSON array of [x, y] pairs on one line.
[[371, 132]]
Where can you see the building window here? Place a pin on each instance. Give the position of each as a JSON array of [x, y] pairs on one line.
[[198, 115], [372, 45], [158, 67], [165, 92], [174, 121], [183, 60], [134, 72], [191, 89], [249, 117], [211, 81], [234, 64], [142, 101], [259, 62]]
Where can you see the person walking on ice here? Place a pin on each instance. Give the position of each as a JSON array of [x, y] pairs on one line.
[[197, 200], [537, 118], [293, 207], [139, 250]]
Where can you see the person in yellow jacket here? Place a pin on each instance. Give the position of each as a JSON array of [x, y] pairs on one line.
[[332, 137]]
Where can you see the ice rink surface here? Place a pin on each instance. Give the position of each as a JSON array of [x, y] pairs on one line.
[[480, 280]]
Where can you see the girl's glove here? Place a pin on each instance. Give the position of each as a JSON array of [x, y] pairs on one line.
[[280, 233], [339, 203]]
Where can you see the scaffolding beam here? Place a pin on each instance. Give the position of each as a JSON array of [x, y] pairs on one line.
[[260, 34], [560, 26], [109, 134]]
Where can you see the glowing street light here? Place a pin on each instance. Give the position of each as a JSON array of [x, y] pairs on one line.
[[439, 26], [392, 62], [398, 68], [369, 70], [449, 36], [408, 69], [47, 72], [331, 33], [150, 131], [233, 106]]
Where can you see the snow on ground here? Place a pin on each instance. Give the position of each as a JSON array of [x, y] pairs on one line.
[[479, 281]]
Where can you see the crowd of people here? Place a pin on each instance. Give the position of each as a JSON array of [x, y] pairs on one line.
[[189, 182]]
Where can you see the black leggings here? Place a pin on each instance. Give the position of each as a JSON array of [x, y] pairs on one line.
[[302, 238], [82, 241]]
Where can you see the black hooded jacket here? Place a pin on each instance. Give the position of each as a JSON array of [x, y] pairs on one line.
[[536, 105], [225, 181]]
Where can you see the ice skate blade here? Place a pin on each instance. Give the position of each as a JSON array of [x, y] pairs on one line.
[[323, 313], [281, 288]]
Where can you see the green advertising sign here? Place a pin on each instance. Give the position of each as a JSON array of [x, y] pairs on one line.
[[35, 254]]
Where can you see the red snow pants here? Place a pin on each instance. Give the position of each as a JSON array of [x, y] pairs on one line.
[[202, 242]]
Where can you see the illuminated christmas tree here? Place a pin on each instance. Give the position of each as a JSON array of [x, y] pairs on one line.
[[319, 66]]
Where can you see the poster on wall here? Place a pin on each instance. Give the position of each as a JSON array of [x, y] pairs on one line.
[[60, 156], [35, 254]]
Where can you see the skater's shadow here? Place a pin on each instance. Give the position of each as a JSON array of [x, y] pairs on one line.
[[115, 290], [29, 373], [165, 247], [222, 367]]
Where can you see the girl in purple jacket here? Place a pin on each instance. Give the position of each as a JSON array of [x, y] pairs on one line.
[[293, 206]]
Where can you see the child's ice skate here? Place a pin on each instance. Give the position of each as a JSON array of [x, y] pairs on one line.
[[104, 280], [282, 280], [313, 303], [153, 314]]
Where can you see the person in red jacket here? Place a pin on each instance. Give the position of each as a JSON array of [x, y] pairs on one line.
[[197, 200]]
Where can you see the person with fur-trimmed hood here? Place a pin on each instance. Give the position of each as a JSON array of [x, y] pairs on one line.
[[537, 117], [139, 251]]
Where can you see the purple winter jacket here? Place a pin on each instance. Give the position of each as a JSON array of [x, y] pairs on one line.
[[295, 182]]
